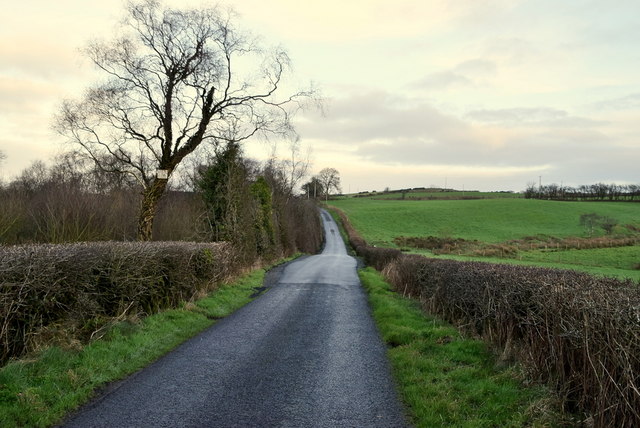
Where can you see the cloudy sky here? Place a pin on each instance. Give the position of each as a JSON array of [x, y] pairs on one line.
[[474, 94]]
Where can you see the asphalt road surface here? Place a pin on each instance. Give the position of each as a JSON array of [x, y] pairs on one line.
[[306, 353]]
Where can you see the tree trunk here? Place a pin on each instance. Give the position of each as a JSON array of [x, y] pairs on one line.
[[150, 198]]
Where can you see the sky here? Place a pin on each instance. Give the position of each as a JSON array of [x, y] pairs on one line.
[[469, 94]]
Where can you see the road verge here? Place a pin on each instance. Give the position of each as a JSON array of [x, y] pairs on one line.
[[446, 379], [41, 390]]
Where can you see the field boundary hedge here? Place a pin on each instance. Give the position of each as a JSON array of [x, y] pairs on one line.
[[71, 291], [577, 332]]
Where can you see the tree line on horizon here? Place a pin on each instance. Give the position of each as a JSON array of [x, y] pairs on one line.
[[586, 192]]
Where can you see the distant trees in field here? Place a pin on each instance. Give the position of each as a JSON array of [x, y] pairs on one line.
[[591, 192], [313, 188], [592, 220], [326, 182]]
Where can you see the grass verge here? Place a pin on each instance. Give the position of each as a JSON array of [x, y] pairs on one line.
[[41, 391], [445, 379]]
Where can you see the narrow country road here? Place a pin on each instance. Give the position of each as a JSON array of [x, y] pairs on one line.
[[304, 354]]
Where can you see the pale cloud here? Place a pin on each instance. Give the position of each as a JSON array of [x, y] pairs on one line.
[[627, 102], [375, 115], [515, 50], [493, 92], [442, 80], [517, 115], [477, 67], [573, 157], [475, 72], [337, 21], [37, 59], [402, 134], [536, 116], [340, 21], [366, 176], [19, 96], [401, 129]]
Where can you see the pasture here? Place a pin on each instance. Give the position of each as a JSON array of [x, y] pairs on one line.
[[496, 222]]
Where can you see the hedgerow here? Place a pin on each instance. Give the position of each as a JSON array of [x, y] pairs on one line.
[[75, 289], [577, 332]]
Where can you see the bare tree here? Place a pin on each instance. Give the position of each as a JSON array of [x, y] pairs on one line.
[[294, 167], [330, 180], [175, 82], [297, 166], [32, 178], [312, 188]]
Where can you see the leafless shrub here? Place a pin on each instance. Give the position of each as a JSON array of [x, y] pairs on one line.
[[75, 289], [71, 291], [430, 242], [571, 329], [48, 210], [62, 204], [75, 284], [591, 192], [13, 212], [496, 250], [304, 228]]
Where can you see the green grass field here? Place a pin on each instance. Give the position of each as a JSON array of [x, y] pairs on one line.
[[500, 220]]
